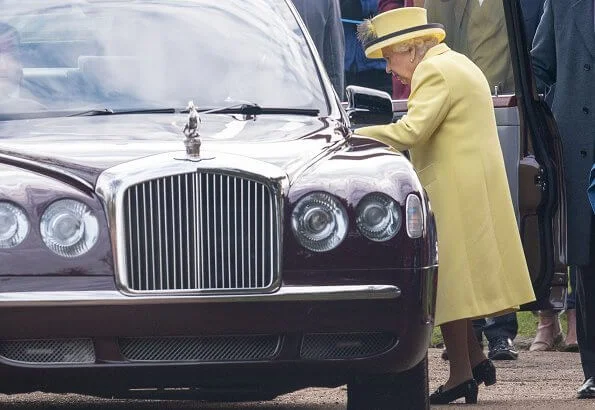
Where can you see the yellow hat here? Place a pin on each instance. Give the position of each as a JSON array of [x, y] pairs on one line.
[[395, 26]]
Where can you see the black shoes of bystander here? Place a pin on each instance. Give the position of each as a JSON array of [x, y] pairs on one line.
[[502, 349], [587, 390]]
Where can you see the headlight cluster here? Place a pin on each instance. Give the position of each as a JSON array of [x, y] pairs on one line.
[[378, 217], [14, 225], [68, 227], [320, 222]]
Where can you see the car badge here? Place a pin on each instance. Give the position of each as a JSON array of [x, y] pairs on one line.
[[192, 141]]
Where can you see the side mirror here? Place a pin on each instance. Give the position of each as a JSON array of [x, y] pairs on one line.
[[367, 106]]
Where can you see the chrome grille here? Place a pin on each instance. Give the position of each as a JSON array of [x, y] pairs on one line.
[[48, 351], [201, 231], [203, 349], [345, 345]]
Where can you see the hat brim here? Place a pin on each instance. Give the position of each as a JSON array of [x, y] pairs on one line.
[[375, 50]]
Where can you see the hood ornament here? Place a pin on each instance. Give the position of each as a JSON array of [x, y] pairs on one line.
[[192, 141]]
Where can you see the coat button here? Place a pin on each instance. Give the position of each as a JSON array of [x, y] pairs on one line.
[[587, 67], [585, 110]]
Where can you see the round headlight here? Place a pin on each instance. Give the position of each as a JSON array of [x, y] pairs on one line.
[[319, 222], [69, 228], [14, 225], [378, 217]]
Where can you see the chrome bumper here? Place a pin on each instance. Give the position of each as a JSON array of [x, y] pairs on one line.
[[284, 294]]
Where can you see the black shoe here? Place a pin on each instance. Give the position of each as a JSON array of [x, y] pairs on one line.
[[467, 389], [485, 372], [502, 349], [587, 390]]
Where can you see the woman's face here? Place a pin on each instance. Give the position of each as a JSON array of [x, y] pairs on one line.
[[400, 64]]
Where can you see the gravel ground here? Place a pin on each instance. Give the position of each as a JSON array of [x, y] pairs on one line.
[[546, 380]]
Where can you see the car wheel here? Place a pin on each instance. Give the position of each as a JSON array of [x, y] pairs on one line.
[[406, 390]]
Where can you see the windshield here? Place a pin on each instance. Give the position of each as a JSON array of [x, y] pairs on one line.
[[76, 55]]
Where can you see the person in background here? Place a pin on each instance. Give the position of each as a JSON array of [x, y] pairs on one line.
[[563, 55], [359, 70], [11, 74], [323, 20], [477, 28], [450, 132]]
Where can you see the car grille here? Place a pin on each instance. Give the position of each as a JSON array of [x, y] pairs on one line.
[[345, 345], [201, 349], [48, 351], [201, 231]]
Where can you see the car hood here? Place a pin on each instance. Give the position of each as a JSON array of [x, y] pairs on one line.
[[86, 146]]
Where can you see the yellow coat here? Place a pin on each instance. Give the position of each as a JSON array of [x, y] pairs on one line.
[[450, 130]]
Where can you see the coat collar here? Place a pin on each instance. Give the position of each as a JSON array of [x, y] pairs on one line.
[[436, 50], [583, 18]]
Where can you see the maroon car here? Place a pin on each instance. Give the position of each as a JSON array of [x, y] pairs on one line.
[[239, 247]]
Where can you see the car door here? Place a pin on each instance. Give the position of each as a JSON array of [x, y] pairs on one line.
[[528, 137], [526, 122]]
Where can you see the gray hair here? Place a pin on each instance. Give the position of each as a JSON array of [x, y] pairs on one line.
[[420, 44]]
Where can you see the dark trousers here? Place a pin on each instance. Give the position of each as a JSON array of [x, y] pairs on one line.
[[496, 328], [585, 311], [571, 295]]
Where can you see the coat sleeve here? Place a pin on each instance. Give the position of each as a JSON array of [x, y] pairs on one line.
[[543, 54], [334, 49], [427, 107]]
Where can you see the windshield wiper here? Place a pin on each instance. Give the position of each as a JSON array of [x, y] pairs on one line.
[[251, 109], [109, 111]]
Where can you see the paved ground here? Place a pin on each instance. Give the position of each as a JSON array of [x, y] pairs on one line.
[[535, 381]]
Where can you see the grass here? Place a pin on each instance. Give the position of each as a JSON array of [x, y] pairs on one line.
[[527, 327]]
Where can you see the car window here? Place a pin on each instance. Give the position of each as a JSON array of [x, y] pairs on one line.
[[119, 54]]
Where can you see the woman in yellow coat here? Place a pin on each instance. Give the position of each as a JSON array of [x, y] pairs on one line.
[[450, 132]]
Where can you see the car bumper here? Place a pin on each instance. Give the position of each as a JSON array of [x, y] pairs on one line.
[[296, 337]]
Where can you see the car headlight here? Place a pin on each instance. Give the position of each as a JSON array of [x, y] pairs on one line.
[[378, 217], [69, 228], [14, 225], [415, 217], [319, 222]]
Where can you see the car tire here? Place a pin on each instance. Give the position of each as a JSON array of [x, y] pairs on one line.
[[406, 390]]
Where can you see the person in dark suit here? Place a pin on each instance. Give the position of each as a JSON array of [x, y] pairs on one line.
[[532, 12], [358, 69], [323, 20], [564, 54]]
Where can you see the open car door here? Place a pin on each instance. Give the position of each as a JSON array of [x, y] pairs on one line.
[[540, 175], [532, 153]]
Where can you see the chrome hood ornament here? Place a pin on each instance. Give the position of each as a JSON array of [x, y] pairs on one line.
[[192, 141]]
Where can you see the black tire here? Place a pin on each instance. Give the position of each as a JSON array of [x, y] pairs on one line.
[[406, 390]]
